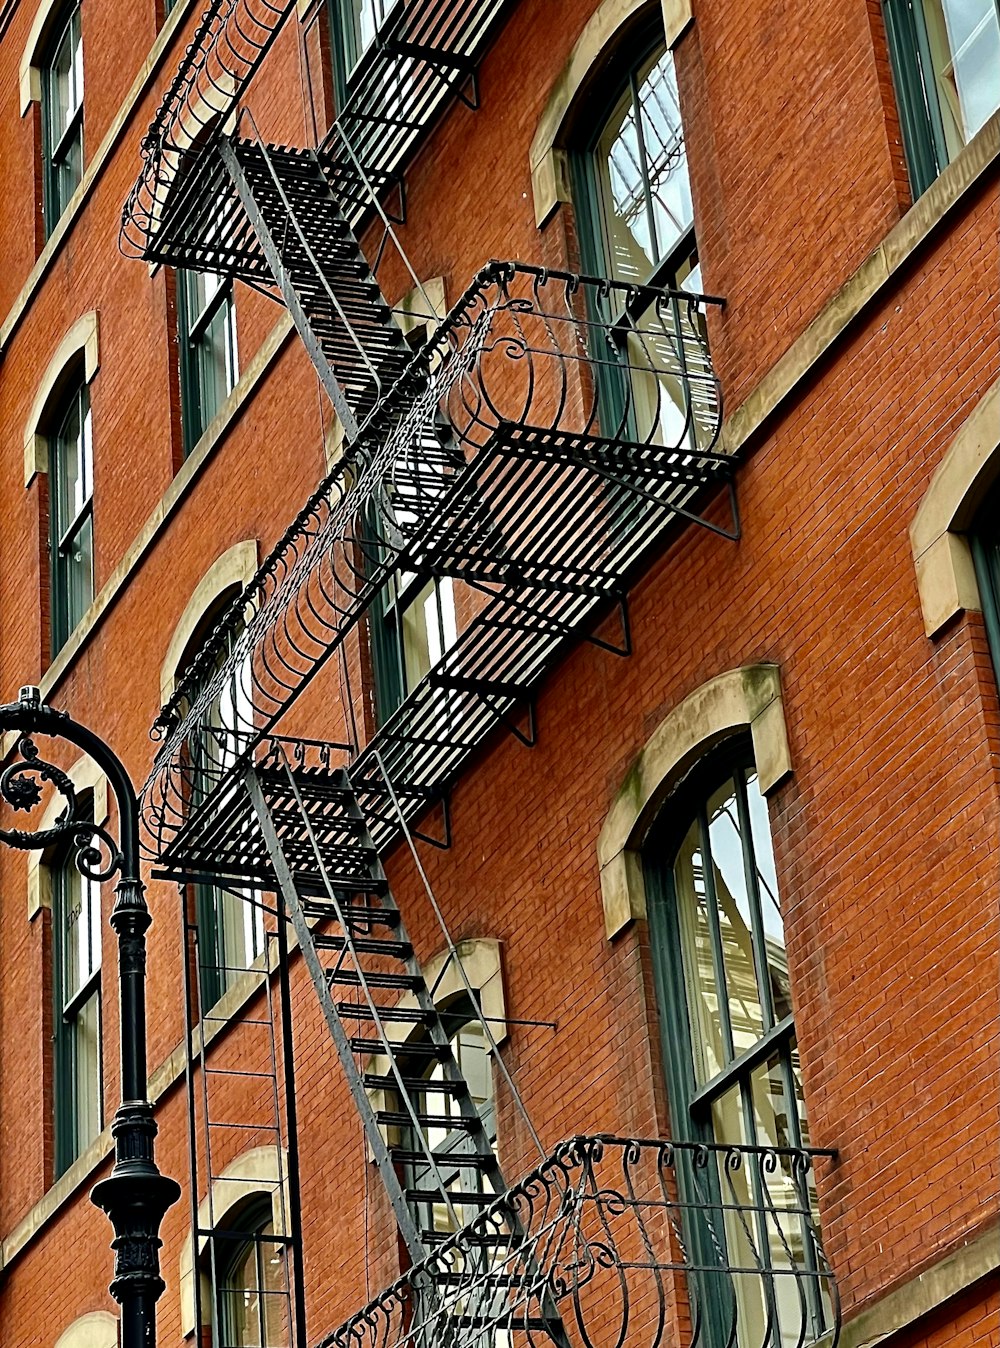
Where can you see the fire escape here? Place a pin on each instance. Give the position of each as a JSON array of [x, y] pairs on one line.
[[537, 449]]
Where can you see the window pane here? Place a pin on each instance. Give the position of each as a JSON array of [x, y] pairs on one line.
[[86, 1059], [704, 1012], [965, 44], [66, 79], [642, 175], [735, 922], [767, 888]]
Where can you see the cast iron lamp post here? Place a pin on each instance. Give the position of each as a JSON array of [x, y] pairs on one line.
[[135, 1195]]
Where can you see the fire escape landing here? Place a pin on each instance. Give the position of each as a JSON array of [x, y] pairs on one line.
[[538, 449]]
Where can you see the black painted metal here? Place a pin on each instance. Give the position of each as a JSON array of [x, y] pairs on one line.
[[367, 978], [490, 460], [605, 1231], [135, 1195]]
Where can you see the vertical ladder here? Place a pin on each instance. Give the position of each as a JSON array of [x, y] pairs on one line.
[[240, 1096]]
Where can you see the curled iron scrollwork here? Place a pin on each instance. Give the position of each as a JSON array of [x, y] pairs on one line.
[[95, 853]]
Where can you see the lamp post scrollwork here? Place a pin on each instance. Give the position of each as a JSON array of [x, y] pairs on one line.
[[135, 1195]]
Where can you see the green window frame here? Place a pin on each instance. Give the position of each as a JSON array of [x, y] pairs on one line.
[[206, 340], [230, 924], [76, 955], [251, 1282], [354, 25], [985, 543], [71, 517], [635, 216], [728, 1041], [945, 58], [472, 1054], [62, 118], [412, 626]]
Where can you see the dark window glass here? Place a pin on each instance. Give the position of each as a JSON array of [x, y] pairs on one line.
[[206, 321], [252, 1285], [76, 922], [985, 541], [946, 66], [71, 518], [730, 1048], [62, 119]]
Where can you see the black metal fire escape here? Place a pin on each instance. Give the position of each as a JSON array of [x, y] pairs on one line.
[[536, 449]]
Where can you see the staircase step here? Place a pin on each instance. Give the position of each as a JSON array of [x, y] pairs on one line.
[[456, 1197], [350, 978], [366, 945], [375, 1081], [394, 1118], [426, 1048], [355, 914], [400, 1015], [470, 1160], [313, 886]]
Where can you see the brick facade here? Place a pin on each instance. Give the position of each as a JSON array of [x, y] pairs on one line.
[[886, 832]]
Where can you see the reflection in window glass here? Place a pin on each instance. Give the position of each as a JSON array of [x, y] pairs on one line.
[[252, 1293], [62, 119], [208, 354], [71, 518]]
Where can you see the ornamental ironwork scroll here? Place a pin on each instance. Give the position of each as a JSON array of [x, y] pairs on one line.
[[95, 853], [635, 1244]]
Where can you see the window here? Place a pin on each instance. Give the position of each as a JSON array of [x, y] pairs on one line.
[[230, 925], [252, 1297], [62, 119], [76, 945], [206, 321], [985, 542], [355, 23], [471, 1050], [71, 517], [413, 626], [946, 65], [729, 1037], [636, 222]]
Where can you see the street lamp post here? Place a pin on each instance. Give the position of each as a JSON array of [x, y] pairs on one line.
[[135, 1195]]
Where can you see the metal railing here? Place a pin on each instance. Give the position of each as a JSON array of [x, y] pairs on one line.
[[538, 444], [635, 1244]]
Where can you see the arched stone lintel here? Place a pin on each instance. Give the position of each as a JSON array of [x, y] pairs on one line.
[[234, 568], [85, 776], [96, 1329], [263, 1171], [548, 162], [946, 577], [83, 336], [741, 699]]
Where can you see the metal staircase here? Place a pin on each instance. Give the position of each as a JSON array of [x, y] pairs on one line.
[[324, 278], [376, 1002]]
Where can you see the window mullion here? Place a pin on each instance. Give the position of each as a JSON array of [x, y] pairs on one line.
[[712, 912]]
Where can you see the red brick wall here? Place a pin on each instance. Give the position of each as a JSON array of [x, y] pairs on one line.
[[886, 834]]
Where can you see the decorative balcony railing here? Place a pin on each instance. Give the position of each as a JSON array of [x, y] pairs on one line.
[[424, 55], [618, 1243], [534, 449]]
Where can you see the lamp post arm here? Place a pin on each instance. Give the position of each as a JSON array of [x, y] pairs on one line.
[[135, 1195]]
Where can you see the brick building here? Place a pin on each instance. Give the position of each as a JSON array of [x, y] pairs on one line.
[[616, 725]]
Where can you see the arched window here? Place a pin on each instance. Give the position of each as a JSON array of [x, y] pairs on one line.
[[985, 541], [633, 190], [230, 925], [729, 1041], [62, 116], [252, 1298], [71, 514], [449, 1140]]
